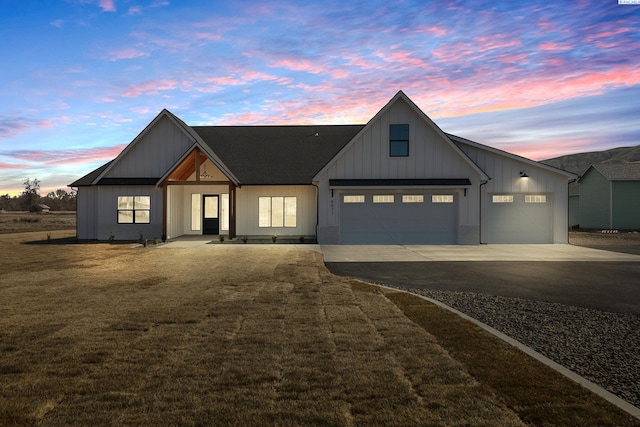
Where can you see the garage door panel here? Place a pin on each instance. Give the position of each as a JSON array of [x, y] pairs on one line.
[[398, 223], [519, 222]]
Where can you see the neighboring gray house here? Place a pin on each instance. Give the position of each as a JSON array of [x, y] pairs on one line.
[[610, 197], [396, 180]]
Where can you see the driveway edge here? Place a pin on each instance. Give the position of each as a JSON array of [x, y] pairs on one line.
[[608, 396]]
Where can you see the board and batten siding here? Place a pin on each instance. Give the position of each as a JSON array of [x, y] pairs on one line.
[[154, 153], [626, 205], [595, 200], [367, 157], [247, 210], [86, 209], [106, 213], [504, 173]]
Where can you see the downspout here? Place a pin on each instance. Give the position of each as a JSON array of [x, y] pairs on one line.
[[480, 213], [317, 208], [571, 181], [76, 203]]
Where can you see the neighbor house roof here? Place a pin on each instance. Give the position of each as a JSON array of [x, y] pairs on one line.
[[619, 171], [284, 155]]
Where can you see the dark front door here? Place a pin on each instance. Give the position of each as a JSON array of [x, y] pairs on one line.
[[210, 220]]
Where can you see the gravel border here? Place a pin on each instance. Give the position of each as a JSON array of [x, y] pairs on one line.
[[599, 346]]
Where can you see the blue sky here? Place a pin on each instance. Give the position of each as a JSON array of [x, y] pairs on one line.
[[81, 78]]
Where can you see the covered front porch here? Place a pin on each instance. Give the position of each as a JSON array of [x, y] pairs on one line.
[[199, 199]]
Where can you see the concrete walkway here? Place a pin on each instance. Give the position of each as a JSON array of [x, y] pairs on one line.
[[425, 253]]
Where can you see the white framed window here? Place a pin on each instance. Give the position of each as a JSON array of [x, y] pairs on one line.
[[196, 213], [277, 211], [412, 198], [134, 209], [353, 198], [384, 198], [502, 198], [535, 198], [442, 198], [224, 212]]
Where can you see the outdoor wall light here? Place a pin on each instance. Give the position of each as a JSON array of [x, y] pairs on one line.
[[523, 174]]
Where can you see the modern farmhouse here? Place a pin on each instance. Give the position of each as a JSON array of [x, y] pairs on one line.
[[399, 179]]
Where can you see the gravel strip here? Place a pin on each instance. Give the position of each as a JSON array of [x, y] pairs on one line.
[[600, 346]]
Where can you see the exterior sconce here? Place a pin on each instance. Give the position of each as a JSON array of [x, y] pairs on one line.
[[523, 174]]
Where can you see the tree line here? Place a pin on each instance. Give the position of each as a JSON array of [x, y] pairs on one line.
[[59, 200]]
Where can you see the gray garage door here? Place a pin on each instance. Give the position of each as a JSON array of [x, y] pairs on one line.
[[519, 218], [408, 217]]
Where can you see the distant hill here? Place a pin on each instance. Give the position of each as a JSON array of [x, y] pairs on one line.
[[579, 163]]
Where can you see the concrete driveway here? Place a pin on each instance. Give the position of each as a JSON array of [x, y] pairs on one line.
[[567, 274]]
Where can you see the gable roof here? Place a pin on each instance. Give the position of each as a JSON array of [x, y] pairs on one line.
[[163, 113], [401, 96], [283, 155], [90, 177], [459, 140], [618, 172]]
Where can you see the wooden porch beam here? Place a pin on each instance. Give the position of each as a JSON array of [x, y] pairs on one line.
[[232, 211]]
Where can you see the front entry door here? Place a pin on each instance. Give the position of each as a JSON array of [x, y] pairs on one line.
[[210, 218]]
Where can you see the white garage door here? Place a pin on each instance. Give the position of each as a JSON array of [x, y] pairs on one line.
[[519, 218], [409, 217]]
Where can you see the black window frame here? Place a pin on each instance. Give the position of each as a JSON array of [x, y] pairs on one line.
[[133, 210], [399, 140]]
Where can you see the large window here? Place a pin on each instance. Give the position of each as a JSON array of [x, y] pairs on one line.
[[277, 211], [399, 140], [134, 209], [196, 213]]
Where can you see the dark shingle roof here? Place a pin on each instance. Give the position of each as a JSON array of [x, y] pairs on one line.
[[285, 155], [88, 178], [619, 171]]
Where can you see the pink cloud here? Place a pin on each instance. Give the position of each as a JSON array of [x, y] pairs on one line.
[[452, 52], [436, 31], [66, 157], [7, 166], [513, 59], [496, 42], [404, 59], [107, 5], [12, 126], [297, 65], [608, 33], [150, 87], [554, 47], [134, 10]]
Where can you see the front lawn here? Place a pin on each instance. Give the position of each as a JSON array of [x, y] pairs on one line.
[[99, 334]]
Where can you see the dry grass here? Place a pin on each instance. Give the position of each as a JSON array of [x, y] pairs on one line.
[[624, 241], [18, 222], [100, 334]]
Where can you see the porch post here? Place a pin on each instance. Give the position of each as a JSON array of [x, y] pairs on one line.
[[164, 212], [232, 208]]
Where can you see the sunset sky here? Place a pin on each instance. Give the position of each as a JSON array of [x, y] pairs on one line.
[[81, 78]]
